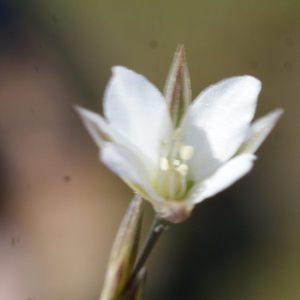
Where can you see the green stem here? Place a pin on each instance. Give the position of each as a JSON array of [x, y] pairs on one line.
[[158, 226]]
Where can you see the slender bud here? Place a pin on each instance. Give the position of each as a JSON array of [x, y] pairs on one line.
[[178, 87], [141, 281], [137, 288], [123, 252]]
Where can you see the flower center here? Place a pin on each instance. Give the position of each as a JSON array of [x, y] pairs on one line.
[[173, 169]]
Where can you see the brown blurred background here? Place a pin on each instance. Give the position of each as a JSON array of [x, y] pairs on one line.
[[60, 207]]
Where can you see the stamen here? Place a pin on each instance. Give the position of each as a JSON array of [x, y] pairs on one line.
[[161, 182], [182, 169], [172, 185], [186, 152], [176, 162], [183, 186], [175, 149], [164, 164], [173, 168]]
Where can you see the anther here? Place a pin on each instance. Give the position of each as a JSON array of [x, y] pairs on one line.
[[183, 169], [176, 162], [186, 152], [164, 164]]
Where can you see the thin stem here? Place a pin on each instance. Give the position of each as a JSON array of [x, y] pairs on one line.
[[157, 228]]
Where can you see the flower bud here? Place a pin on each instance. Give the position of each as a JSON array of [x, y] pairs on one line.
[[178, 87], [123, 252]]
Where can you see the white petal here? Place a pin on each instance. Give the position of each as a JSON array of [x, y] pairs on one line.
[[203, 164], [96, 126], [225, 176], [102, 132], [220, 116], [259, 130], [128, 166], [137, 110]]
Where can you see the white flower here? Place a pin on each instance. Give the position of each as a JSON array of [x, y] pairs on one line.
[[175, 166]]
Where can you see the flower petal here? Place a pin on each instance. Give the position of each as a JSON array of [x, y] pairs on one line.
[[137, 110], [259, 130], [127, 165], [96, 126], [202, 164], [223, 112], [102, 132], [225, 176]]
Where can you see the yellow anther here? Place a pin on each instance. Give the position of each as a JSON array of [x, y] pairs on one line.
[[182, 169], [164, 164], [186, 152]]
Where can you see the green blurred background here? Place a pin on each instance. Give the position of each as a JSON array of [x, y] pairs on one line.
[[60, 207]]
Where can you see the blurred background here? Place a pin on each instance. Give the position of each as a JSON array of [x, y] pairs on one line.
[[60, 207]]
